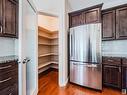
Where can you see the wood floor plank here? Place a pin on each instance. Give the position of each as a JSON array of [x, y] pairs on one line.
[[48, 85]]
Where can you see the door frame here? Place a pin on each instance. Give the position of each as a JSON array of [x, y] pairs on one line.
[[63, 43], [22, 67]]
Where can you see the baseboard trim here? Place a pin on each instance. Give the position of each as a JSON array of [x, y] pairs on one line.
[[47, 71]]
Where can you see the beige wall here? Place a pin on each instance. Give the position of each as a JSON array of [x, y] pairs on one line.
[[48, 22]]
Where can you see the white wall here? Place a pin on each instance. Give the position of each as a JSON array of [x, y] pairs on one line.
[[48, 6], [63, 30], [80, 4], [7, 46], [48, 22]]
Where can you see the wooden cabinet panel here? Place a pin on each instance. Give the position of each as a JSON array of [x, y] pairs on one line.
[[121, 23], [11, 90], [10, 18], [124, 73], [112, 61], [112, 76], [116, 76], [124, 77], [112, 71], [106, 75], [93, 16], [85, 16], [1, 17], [108, 25], [76, 20], [9, 78]]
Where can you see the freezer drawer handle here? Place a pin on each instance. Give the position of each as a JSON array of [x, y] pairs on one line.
[[92, 65]]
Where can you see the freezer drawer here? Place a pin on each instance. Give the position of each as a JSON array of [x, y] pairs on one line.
[[88, 75]]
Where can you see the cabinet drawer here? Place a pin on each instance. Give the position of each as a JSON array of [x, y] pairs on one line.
[[124, 62], [11, 90], [8, 78], [5, 67], [111, 60]]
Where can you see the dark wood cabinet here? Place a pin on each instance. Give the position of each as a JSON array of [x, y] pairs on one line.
[[112, 76], [108, 25], [124, 77], [124, 74], [9, 78], [9, 18], [114, 23], [93, 15], [85, 16], [121, 23], [112, 72], [10, 90], [76, 19]]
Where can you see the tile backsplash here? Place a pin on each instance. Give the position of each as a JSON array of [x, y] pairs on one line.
[[7, 46], [115, 48]]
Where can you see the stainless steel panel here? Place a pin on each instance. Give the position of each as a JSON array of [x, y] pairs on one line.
[[89, 75]]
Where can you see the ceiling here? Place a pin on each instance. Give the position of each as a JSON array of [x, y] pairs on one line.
[[80, 4], [53, 6]]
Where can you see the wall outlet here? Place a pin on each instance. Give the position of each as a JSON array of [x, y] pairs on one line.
[[124, 91]]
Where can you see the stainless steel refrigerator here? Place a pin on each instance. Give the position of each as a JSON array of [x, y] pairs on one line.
[[85, 56]]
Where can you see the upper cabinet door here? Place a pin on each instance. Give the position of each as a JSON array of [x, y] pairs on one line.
[[10, 18], [85, 16], [93, 16], [76, 19], [121, 23], [108, 25], [1, 19]]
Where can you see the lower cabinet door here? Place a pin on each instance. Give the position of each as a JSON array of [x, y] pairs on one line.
[[112, 76], [124, 77], [11, 90]]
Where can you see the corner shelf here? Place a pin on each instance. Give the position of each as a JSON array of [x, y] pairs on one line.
[[48, 48], [47, 44], [46, 64], [48, 54], [47, 37], [43, 65]]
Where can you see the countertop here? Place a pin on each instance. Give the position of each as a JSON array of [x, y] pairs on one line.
[[5, 59], [115, 55]]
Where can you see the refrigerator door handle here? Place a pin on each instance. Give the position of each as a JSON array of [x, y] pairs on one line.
[[71, 45], [87, 65]]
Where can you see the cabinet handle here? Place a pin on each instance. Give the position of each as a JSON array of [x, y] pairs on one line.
[[111, 66], [6, 80], [120, 69], [110, 60], [1, 29], [10, 94], [5, 67]]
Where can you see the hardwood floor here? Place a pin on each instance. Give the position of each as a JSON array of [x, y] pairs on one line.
[[48, 85]]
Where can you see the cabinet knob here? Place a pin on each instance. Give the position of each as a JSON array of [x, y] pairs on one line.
[[1, 29], [120, 69]]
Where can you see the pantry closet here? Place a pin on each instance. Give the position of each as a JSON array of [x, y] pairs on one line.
[[47, 49]]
